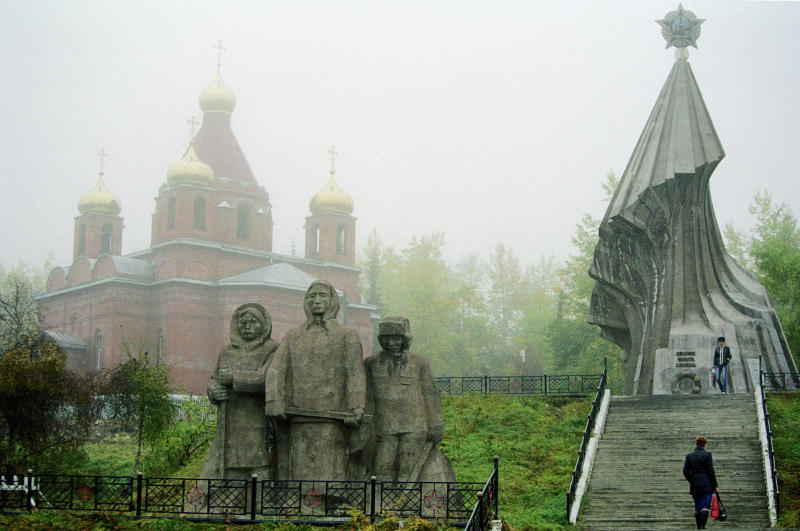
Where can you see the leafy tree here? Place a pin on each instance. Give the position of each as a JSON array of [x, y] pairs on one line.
[[778, 264], [372, 265], [420, 288], [19, 318], [187, 438], [44, 408], [470, 318], [506, 298], [138, 395], [578, 347], [738, 245], [772, 252], [542, 289]]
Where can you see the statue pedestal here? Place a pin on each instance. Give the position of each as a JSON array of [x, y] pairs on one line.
[[683, 367]]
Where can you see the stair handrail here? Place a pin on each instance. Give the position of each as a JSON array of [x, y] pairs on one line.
[[587, 435], [487, 507], [773, 472]]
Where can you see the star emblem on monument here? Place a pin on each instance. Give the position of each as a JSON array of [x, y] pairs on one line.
[[434, 499], [681, 28], [314, 498], [84, 492], [195, 496]]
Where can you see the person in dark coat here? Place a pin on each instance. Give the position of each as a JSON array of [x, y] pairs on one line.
[[698, 469], [722, 357]]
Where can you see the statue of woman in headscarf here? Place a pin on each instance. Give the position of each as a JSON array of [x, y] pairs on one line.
[[241, 446]]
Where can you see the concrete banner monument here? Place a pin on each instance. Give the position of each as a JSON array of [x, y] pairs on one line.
[[665, 286]]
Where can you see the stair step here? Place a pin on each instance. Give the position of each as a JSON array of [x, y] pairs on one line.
[[637, 482]]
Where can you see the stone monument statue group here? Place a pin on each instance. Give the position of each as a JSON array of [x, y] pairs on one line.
[[312, 408]]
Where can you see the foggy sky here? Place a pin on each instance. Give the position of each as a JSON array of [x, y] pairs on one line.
[[493, 122]]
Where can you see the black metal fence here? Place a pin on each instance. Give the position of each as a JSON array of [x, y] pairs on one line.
[[587, 434], [486, 509], [309, 501], [544, 385], [779, 381]]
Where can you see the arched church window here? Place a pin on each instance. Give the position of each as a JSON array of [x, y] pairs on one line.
[[200, 213], [315, 239], [105, 240], [160, 345], [98, 347], [74, 325], [171, 213], [243, 222], [81, 238], [341, 239]]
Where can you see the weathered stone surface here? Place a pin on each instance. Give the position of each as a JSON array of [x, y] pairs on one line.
[[316, 381], [665, 286], [241, 444], [407, 411]]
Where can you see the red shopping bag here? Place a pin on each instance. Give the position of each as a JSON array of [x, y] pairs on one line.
[[714, 508]]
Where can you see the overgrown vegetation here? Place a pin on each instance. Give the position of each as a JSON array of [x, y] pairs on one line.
[[138, 397], [784, 410], [46, 411], [536, 440]]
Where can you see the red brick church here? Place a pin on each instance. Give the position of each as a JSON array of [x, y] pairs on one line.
[[210, 251]]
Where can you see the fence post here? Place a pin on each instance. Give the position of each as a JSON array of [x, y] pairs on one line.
[[373, 480], [545, 384], [760, 373], [29, 500], [253, 483], [485, 384], [496, 486], [138, 494], [481, 512]]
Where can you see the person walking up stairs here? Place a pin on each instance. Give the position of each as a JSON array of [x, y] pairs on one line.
[[636, 481]]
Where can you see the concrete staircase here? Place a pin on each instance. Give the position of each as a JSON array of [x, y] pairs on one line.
[[637, 481]]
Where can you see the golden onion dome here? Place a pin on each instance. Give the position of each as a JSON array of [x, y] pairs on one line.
[[190, 170], [217, 97], [331, 199], [99, 200]]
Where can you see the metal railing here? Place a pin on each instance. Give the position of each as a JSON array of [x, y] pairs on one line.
[[253, 500], [543, 385], [779, 381], [486, 509], [766, 379], [587, 434]]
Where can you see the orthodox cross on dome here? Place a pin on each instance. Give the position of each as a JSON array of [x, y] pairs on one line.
[[220, 49], [333, 153], [192, 124], [680, 28], [102, 154]]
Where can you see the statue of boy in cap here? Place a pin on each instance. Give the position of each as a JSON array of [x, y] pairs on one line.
[[408, 424]]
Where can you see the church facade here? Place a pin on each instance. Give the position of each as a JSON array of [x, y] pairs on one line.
[[210, 251]]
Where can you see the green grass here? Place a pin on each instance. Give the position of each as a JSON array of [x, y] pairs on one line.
[[536, 438], [537, 441], [784, 412]]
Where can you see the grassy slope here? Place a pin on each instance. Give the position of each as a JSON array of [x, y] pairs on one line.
[[536, 439], [784, 412]]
